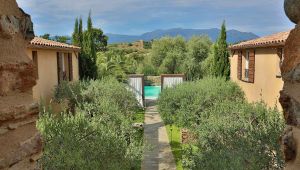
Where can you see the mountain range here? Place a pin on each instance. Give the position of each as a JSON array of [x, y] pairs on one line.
[[233, 36]]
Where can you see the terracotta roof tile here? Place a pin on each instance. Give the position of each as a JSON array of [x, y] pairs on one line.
[[277, 39], [40, 43]]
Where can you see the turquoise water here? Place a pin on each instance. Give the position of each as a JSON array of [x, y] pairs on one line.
[[152, 92]]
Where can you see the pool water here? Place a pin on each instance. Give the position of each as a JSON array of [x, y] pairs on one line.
[[152, 92]]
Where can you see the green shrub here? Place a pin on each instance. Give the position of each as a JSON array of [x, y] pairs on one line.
[[108, 89], [147, 70], [237, 135], [82, 142], [185, 104], [114, 92], [71, 91], [228, 132], [99, 135]]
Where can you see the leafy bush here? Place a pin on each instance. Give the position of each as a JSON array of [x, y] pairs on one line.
[[185, 104], [207, 66], [82, 142], [114, 92], [198, 49], [99, 135], [237, 135], [168, 53], [228, 132], [175, 55], [108, 89], [71, 91], [147, 70], [118, 61], [112, 64]]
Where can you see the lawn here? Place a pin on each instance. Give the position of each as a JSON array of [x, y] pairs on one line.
[[139, 117], [175, 142]]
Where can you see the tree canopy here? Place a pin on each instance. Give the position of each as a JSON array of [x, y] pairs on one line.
[[175, 55]]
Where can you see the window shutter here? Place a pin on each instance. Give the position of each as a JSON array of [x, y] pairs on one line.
[[70, 66], [59, 67], [251, 66], [239, 66]]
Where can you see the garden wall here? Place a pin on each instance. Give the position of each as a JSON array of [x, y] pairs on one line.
[[20, 143]]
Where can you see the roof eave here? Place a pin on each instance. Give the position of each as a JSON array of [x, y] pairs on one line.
[[54, 48], [263, 45]]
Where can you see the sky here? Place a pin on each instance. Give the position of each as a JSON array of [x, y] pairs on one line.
[[134, 17]]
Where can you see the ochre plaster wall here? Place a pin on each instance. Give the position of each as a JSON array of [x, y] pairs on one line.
[[47, 72], [266, 85]]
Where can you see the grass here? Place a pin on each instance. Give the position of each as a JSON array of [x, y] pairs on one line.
[[139, 117], [174, 134]]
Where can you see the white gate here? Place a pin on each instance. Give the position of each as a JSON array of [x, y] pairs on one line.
[[171, 80], [136, 85]]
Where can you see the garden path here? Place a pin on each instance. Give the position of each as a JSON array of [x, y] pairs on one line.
[[159, 156]]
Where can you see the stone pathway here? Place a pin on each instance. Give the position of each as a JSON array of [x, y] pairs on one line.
[[159, 156]]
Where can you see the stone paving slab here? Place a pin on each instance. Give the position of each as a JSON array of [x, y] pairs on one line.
[[159, 156]]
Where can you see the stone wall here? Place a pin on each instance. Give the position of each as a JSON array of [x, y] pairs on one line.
[[290, 95], [20, 143]]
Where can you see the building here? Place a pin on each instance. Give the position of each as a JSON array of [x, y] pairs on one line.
[[255, 67], [55, 62]]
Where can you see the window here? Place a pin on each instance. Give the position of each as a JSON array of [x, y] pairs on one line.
[[64, 67], [35, 63], [247, 65]]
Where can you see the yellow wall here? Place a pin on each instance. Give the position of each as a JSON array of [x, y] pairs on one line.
[[47, 72], [266, 85]]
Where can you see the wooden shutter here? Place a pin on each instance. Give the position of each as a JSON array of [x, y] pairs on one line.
[[251, 66], [35, 63], [59, 67], [239, 66], [70, 63]]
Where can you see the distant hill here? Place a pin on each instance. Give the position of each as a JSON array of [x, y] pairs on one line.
[[233, 36]]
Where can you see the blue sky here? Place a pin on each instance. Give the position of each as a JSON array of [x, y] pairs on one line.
[[135, 17]]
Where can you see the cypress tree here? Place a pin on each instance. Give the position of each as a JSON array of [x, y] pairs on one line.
[[89, 53], [80, 32], [75, 35], [82, 56], [88, 56], [221, 55]]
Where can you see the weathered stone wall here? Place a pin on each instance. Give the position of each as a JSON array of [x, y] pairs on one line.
[[290, 95], [20, 143]]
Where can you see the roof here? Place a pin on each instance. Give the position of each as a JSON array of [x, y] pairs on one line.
[[277, 39], [38, 42]]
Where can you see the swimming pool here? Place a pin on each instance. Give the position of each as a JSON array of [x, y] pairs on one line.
[[152, 92]]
